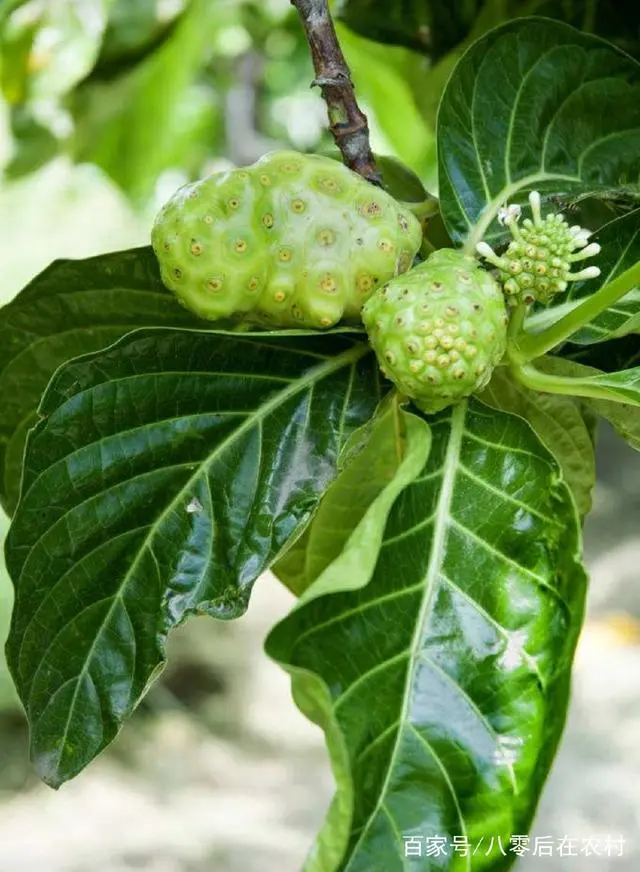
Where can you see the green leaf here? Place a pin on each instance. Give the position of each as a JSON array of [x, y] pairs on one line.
[[567, 118], [558, 422], [442, 684], [607, 356], [72, 308], [372, 472], [166, 474], [620, 250], [623, 417], [429, 26]]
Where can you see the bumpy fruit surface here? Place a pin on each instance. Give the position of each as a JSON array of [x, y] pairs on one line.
[[293, 240], [439, 330], [537, 264]]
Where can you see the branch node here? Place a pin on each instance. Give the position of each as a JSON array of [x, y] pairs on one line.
[[348, 124]]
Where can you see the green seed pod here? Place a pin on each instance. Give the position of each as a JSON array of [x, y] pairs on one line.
[[292, 241], [439, 330]]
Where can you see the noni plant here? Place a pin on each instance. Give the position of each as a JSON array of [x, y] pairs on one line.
[[322, 370]]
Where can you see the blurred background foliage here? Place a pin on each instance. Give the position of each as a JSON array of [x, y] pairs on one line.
[[107, 106]]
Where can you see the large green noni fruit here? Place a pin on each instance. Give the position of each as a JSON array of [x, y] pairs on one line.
[[293, 240], [439, 330]]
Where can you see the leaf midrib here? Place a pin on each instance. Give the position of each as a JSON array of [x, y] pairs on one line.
[[440, 526]]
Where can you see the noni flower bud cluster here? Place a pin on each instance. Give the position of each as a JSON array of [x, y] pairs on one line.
[[538, 262]]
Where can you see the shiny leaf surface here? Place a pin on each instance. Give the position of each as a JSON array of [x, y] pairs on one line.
[[166, 474], [72, 308], [442, 684], [559, 424], [568, 118]]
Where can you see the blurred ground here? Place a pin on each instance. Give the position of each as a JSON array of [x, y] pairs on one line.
[[219, 772]]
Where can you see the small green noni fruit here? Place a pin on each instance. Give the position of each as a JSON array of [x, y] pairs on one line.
[[439, 330], [293, 240], [538, 262]]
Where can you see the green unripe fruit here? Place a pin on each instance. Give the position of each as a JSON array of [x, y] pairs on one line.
[[438, 331], [293, 240], [538, 262]]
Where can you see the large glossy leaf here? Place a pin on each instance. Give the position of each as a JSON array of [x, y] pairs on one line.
[[534, 104], [442, 684], [166, 474], [558, 422], [437, 26], [620, 250], [72, 308], [608, 356], [429, 26]]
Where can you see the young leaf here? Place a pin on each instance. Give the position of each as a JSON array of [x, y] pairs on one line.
[[74, 307], [166, 474], [568, 117], [620, 249], [624, 418], [374, 470], [442, 684], [559, 423]]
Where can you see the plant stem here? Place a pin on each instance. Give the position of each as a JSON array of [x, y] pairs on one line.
[[534, 345], [532, 378], [347, 122]]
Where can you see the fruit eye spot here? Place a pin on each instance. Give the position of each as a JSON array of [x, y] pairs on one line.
[[267, 220], [385, 245], [177, 273], [364, 283], [243, 175], [371, 209], [233, 203], [298, 206], [297, 313], [265, 179], [329, 184], [193, 194], [208, 219], [390, 357], [284, 255], [326, 237], [166, 245], [404, 224], [196, 248], [253, 284], [290, 168], [279, 296], [326, 321], [240, 246], [328, 283], [214, 285]]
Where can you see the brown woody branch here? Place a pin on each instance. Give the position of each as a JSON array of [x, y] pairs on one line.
[[347, 122]]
